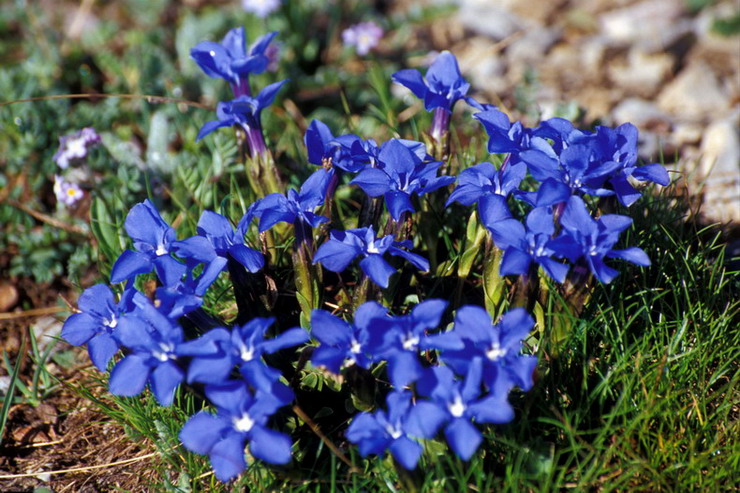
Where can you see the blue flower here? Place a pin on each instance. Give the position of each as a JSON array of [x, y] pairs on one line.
[[400, 339], [343, 344], [592, 240], [243, 347], [504, 137], [157, 346], [522, 246], [344, 246], [240, 417], [488, 187], [217, 239], [387, 430], [620, 145], [230, 60], [296, 208], [455, 403], [498, 347], [97, 322], [346, 152], [244, 111], [443, 85], [153, 239], [400, 173]]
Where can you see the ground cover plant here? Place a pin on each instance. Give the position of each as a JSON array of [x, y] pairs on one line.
[[356, 312]]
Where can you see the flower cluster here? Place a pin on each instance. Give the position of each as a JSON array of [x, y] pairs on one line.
[[446, 369], [73, 150]]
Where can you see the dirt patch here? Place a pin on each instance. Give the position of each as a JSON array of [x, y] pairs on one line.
[[66, 444]]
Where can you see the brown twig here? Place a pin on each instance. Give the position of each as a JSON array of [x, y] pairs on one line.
[[148, 97], [36, 312], [299, 412], [79, 469], [47, 219]]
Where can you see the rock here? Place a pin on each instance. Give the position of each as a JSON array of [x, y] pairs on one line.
[[483, 65], [642, 73], [695, 94], [652, 24], [46, 330], [720, 170], [686, 134], [641, 113], [488, 19], [530, 49], [8, 296]]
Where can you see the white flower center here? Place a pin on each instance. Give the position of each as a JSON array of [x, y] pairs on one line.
[[457, 408], [394, 432], [112, 323], [371, 248], [165, 352], [495, 352], [247, 353], [355, 347], [161, 250], [243, 424], [212, 53], [410, 343]]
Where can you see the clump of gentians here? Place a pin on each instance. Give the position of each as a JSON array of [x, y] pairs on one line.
[[449, 367]]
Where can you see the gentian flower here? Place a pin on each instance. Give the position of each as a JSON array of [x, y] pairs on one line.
[[344, 246], [261, 8], [97, 321], [245, 112], [244, 347], [443, 85], [363, 36], [498, 347], [593, 240], [454, 404], [230, 60], [400, 339], [296, 208], [387, 430], [504, 137], [217, 239], [66, 192], [156, 345], [522, 246], [400, 174], [343, 344], [440, 90], [620, 145], [241, 417], [74, 147], [153, 239], [489, 187]]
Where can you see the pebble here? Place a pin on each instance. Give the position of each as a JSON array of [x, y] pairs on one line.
[[720, 170], [8, 296], [694, 95]]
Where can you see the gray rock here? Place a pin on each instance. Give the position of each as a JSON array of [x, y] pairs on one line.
[[643, 72], [652, 24], [640, 112], [489, 19], [720, 169], [695, 94]]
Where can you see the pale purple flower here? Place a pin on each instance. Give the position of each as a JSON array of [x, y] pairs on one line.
[[75, 146], [261, 8], [66, 192], [364, 36]]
